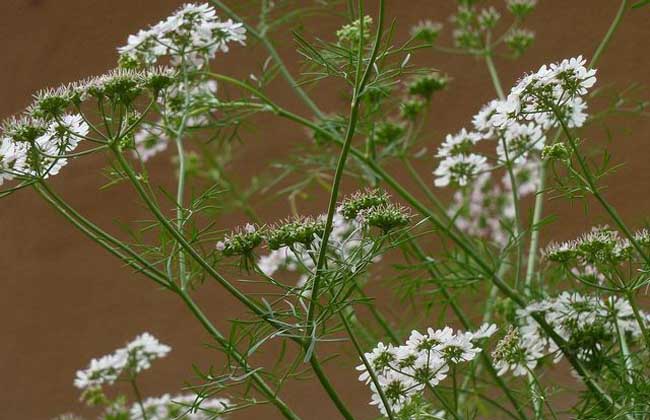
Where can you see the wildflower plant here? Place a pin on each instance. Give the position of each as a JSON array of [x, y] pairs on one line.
[[311, 279]]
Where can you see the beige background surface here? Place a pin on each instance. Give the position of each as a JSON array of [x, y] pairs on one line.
[[64, 300]]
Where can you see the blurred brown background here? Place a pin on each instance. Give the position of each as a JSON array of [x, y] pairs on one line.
[[64, 300]]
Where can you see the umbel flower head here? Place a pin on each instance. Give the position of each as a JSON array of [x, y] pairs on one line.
[[550, 95], [521, 8], [298, 231], [588, 325], [190, 36], [426, 31], [362, 200], [386, 217], [350, 34], [600, 246], [424, 360], [127, 362], [33, 148]]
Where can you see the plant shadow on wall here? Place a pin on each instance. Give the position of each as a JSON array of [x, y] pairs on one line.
[[575, 302]]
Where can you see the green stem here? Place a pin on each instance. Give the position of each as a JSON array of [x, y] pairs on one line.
[[423, 186], [383, 323], [111, 244], [187, 247], [360, 84], [517, 224], [180, 189], [138, 398], [535, 229], [494, 75], [320, 374], [610, 32], [368, 365]]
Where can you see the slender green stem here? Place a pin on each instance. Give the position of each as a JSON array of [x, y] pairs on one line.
[[368, 365], [423, 186], [180, 192], [379, 317], [111, 244], [360, 84], [535, 229], [138, 397], [517, 223], [494, 75], [320, 374], [610, 32], [180, 188]]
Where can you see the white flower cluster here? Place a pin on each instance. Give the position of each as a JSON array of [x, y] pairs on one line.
[[586, 323], [602, 246], [425, 359], [44, 155], [192, 35], [536, 103], [167, 407], [190, 38], [135, 357], [552, 94]]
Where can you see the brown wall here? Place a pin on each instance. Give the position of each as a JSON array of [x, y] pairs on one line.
[[63, 300]]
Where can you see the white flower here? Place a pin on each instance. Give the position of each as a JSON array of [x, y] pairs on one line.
[[192, 35], [460, 170], [458, 144], [60, 138], [135, 357], [144, 349], [573, 76], [398, 389], [380, 359], [526, 177], [553, 92], [520, 140], [517, 354], [104, 370], [423, 361], [13, 159], [483, 121], [459, 348]]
